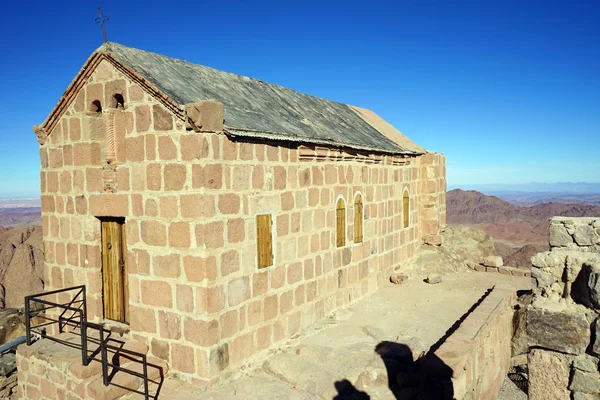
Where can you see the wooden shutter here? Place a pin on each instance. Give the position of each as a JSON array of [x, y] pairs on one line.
[[340, 220], [264, 240], [358, 219], [406, 208]]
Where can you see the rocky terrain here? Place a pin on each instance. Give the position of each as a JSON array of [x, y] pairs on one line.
[[519, 231], [21, 264]]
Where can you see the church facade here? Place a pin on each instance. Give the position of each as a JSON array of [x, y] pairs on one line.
[[212, 216]]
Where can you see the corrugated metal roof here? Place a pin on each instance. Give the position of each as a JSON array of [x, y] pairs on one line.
[[254, 105]]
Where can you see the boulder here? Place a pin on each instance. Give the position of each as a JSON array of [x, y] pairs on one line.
[[548, 375], [8, 364], [12, 324], [565, 331], [398, 278], [559, 237], [549, 259], [585, 235], [433, 279], [493, 261]]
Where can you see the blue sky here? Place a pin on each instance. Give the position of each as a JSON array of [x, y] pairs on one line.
[[508, 90]]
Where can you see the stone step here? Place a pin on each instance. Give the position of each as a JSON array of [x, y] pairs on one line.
[[123, 383]]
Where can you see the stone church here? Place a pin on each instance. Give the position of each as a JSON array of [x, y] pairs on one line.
[[211, 216]]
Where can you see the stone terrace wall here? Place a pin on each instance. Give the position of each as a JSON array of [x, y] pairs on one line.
[[190, 201], [478, 353], [563, 328]]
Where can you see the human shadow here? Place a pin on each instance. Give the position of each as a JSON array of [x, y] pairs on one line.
[[347, 391], [425, 378]]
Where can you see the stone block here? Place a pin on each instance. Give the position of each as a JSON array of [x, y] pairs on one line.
[[432, 279], [586, 363], [541, 278], [163, 119], [480, 268], [585, 235], [594, 289], [585, 396], [585, 382], [548, 375], [109, 205], [205, 116], [493, 261], [505, 270], [552, 260], [157, 293], [565, 331], [559, 237], [175, 176]]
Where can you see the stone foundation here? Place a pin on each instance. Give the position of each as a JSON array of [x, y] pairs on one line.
[[50, 370], [562, 321]]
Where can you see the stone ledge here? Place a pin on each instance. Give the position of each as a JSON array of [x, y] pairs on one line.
[[478, 354], [504, 270]]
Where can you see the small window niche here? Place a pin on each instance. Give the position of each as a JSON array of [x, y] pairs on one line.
[[340, 222], [96, 106], [264, 240], [119, 101]]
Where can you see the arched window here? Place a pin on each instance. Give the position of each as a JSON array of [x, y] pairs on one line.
[[358, 219], [340, 222], [406, 208]]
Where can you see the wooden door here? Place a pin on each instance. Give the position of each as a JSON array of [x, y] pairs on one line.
[[115, 293]]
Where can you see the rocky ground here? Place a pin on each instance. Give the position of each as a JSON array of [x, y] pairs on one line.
[[339, 357]]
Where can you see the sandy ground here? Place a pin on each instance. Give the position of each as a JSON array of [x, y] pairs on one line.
[[326, 357]]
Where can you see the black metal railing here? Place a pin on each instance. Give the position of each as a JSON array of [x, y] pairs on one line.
[[77, 318], [74, 314]]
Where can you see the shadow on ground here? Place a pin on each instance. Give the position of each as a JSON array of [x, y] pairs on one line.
[[426, 378]]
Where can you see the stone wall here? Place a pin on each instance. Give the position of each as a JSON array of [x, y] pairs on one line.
[[190, 200], [562, 321], [579, 234], [478, 353], [432, 204]]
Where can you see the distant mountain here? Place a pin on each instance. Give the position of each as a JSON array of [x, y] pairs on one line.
[[20, 216], [535, 187], [471, 207], [519, 231], [20, 211], [530, 198]]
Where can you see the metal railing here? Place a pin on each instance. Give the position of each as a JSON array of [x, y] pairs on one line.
[[74, 314]]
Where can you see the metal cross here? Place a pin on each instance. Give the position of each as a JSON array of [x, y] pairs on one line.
[[101, 20]]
